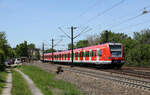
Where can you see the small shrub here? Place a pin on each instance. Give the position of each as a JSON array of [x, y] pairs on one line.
[[2, 59]]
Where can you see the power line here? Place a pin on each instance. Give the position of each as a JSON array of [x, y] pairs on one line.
[[88, 9], [124, 28], [84, 31], [105, 11], [129, 19]]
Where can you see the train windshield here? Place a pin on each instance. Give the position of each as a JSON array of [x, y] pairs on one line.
[[112, 47], [115, 50]]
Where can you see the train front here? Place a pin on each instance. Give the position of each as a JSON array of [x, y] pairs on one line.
[[117, 54]]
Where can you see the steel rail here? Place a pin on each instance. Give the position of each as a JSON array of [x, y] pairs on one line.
[[135, 83]]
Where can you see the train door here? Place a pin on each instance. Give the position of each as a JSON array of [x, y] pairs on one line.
[[87, 55], [68, 56], [65, 56], [76, 56], [81, 55], [93, 55], [100, 54]]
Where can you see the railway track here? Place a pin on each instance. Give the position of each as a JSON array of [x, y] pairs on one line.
[[138, 74], [117, 78], [129, 72]]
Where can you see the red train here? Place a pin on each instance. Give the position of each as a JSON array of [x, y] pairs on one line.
[[108, 54]]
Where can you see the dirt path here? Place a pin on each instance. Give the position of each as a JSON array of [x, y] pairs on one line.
[[8, 87], [31, 85]]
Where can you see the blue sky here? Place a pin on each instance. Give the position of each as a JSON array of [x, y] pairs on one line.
[[37, 21]]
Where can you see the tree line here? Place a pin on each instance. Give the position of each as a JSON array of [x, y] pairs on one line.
[[21, 50]]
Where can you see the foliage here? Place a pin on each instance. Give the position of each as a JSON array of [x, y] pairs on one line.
[[70, 46], [2, 59], [22, 50], [3, 43], [111, 37], [50, 50], [82, 43], [143, 36], [139, 56], [3, 50], [37, 56]]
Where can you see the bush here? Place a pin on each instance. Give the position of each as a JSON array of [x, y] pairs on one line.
[[2, 60], [139, 55]]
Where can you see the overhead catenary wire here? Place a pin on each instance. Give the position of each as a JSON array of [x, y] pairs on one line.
[[82, 32], [129, 19], [105, 11], [87, 10], [99, 14], [124, 28]]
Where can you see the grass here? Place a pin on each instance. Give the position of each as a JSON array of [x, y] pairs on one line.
[[19, 85], [45, 81], [2, 80]]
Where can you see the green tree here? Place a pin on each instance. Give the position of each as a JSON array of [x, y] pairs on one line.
[[108, 36], [3, 43], [139, 56], [2, 59], [70, 46], [82, 43], [22, 50], [37, 55], [31, 48], [3, 50], [143, 36], [50, 50]]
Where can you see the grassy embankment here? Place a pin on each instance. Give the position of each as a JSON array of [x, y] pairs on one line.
[[3, 76], [46, 82], [19, 85]]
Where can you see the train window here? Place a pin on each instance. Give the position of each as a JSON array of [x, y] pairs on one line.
[[83, 54], [92, 53], [103, 50], [70, 55], [95, 53], [87, 54], [100, 53], [79, 54], [76, 54]]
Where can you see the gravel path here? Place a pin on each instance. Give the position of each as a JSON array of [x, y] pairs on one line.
[[91, 85], [32, 87], [8, 87]]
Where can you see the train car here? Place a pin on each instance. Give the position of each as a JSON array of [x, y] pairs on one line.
[[108, 54]]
